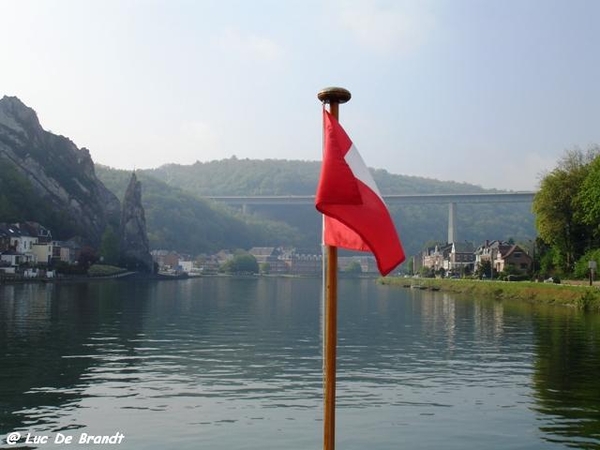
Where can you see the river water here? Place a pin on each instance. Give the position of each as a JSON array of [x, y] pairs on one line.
[[222, 363]]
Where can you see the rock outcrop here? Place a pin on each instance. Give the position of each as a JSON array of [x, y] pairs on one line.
[[133, 239], [75, 201]]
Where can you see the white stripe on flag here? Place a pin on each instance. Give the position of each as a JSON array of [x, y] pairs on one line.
[[360, 169]]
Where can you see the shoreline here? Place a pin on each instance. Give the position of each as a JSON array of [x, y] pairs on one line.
[[573, 294], [136, 276], [579, 296]]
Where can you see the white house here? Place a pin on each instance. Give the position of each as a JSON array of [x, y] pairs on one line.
[[20, 240]]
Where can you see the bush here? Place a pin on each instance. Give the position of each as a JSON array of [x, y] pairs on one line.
[[69, 269], [581, 270], [587, 301]]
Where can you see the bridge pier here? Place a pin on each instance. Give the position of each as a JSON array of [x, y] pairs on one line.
[[451, 222]]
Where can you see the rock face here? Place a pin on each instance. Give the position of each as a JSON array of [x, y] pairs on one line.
[[61, 175], [133, 240]]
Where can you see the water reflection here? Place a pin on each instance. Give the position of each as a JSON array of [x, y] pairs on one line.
[[177, 355], [42, 326], [236, 363], [567, 365]]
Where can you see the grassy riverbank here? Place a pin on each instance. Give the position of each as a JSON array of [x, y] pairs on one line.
[[579, 296]]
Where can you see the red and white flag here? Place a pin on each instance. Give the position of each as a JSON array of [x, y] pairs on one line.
[[356, 217]]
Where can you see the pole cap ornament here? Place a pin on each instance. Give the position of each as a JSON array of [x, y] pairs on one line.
[[334, 95]]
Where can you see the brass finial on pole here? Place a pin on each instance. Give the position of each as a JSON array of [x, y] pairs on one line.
[[334, 96]]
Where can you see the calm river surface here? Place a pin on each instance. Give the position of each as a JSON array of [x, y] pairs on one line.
[[218, 363]]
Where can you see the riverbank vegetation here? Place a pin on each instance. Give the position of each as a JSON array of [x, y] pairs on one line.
[[579, 296], [104, 270], [567, 215]]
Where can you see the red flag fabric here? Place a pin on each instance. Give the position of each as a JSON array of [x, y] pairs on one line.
[[356, 217]]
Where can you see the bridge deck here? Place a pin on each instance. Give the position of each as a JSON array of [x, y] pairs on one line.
[[500, 197]]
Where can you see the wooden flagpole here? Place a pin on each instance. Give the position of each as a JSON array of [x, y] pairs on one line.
[[334, 96]]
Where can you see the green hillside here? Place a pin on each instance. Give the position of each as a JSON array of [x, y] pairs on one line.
[[284, 177], [180, 221], [417, 224], [18, 200]]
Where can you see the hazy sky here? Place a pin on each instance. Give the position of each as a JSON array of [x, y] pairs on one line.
[[486, 92]]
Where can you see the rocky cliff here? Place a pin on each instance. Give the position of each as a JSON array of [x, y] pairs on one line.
[[133, 240], [60, 174]]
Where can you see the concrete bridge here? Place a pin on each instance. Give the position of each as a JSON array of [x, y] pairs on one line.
[[410, 199]]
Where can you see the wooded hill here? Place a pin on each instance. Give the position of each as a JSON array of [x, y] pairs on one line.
[[179, 218]]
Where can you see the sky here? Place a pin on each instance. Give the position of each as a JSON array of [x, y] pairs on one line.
[[490, 93]]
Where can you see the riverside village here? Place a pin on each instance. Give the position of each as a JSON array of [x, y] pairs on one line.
[[28, 251]]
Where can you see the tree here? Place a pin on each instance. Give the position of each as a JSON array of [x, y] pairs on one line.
[[484, 269], [410, 268], [87, 257], [427, 272], [510, 269], [556, 207], [354, 268], [588, 199], [109, 246], [265, 268], [241, 263]]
